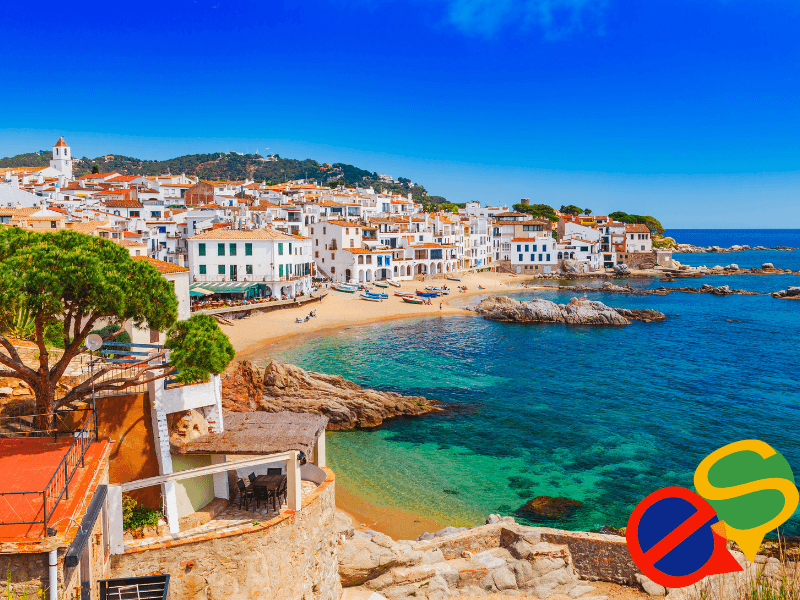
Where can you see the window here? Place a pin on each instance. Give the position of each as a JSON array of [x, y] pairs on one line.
[[347, 231], [248, 249], [290, 248], [534, 247], [280, 270], [233, 249], [352, 243], [519, 247], [135, 213], [220, 249], [642, 247], [202, 269], [312, 231], [248, 269], [221, 269], [52, 224], [548, 258], [520, 258], [540, 258], [533, 257], [584, 248], [526, 247], [280, 249], [544, 247], [201, 249]]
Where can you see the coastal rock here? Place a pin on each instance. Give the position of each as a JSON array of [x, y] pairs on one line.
[[791, 292], [766, 266], [646, 315], [548, 508], [361, 559], [621, 270], [538, 310], [732, 267], [288, 387]]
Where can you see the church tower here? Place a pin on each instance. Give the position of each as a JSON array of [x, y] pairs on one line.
[[62, 158]]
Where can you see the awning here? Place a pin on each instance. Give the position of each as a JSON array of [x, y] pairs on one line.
[[199, 292], [223, 287], [257, 433]]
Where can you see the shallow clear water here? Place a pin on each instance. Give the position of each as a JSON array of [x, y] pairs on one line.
[[600, 415]]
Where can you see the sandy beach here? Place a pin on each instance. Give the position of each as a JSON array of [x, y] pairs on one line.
[[254, 336]]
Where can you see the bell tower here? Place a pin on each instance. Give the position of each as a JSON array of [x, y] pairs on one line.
[[62, 158]]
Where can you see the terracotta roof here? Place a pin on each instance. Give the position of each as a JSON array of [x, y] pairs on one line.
[[636, 228], [343, 224], [365, 251], [87, 227], [161, 266], [251, 234], [123, 203], [123, 178], [60, 142], [128, 243]]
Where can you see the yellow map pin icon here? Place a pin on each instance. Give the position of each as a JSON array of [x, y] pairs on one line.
[[734, 479]]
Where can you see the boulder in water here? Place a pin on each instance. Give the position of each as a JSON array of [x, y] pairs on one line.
[[548, 508], [766, 266], [621, 270]]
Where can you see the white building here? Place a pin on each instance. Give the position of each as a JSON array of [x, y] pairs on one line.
[[276, 263], [62, 158], [534, 254], [638, 238]]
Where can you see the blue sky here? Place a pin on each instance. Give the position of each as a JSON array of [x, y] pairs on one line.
[[686, 110]]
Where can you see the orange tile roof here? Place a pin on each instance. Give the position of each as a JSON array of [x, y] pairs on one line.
[[161, 266], [343, 224], [636, 228], [60, 142], [244, 234]]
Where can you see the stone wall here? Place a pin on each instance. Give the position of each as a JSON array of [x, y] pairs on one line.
[[291, 557], [596, 556]]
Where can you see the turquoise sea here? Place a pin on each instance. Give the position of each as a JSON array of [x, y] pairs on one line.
[[600, 415]]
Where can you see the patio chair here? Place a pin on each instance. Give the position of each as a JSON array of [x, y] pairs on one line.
[[275, 471], [245, 495], [280, 494], [252, 478], [261, 494]]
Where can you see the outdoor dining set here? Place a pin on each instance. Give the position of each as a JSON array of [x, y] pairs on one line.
[[263, 488]]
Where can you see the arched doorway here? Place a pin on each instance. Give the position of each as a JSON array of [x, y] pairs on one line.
[[347, 275]]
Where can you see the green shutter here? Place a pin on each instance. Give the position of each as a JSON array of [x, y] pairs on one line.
[[280, 270], [202, 269], [290, 248], [248, 249], [221, 249], [201, 249], [280, 248], [233, 249], [221, 269]]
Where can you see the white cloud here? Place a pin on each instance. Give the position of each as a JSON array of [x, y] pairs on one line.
[[555, 18]]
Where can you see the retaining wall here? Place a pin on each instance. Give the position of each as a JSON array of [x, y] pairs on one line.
[[291, 557]]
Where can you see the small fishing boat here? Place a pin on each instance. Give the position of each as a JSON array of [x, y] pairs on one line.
[[427, 294], [393, 283], [413, 300], [405, 294], [343, 287], [371, 297], [381, 285], [376, 294], [443, 291], [451, 278]]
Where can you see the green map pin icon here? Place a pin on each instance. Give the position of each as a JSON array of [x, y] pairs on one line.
[[751, 487]]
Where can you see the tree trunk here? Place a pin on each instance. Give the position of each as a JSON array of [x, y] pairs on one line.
[[45, 405]]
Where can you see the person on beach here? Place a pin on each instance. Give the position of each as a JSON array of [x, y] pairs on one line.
[[440, 306]]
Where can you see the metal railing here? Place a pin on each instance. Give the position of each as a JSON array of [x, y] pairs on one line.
[[37, 507]]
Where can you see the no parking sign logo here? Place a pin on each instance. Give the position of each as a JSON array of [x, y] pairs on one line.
[[676, 536]]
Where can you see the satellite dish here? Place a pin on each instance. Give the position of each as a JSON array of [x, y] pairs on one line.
[[94, 341]]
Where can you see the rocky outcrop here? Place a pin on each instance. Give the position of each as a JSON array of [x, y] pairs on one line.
[[548, 508], [277, 387], [790, 293], [706, 288], [621, 270], [691, 249], [506, 558], [576, 312]]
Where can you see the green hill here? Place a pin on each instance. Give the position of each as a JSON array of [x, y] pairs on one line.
[[233, 167]]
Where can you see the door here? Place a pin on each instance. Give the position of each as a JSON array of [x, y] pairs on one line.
[[233, 273]]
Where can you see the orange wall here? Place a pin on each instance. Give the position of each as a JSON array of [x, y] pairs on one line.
[[126, 421]]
